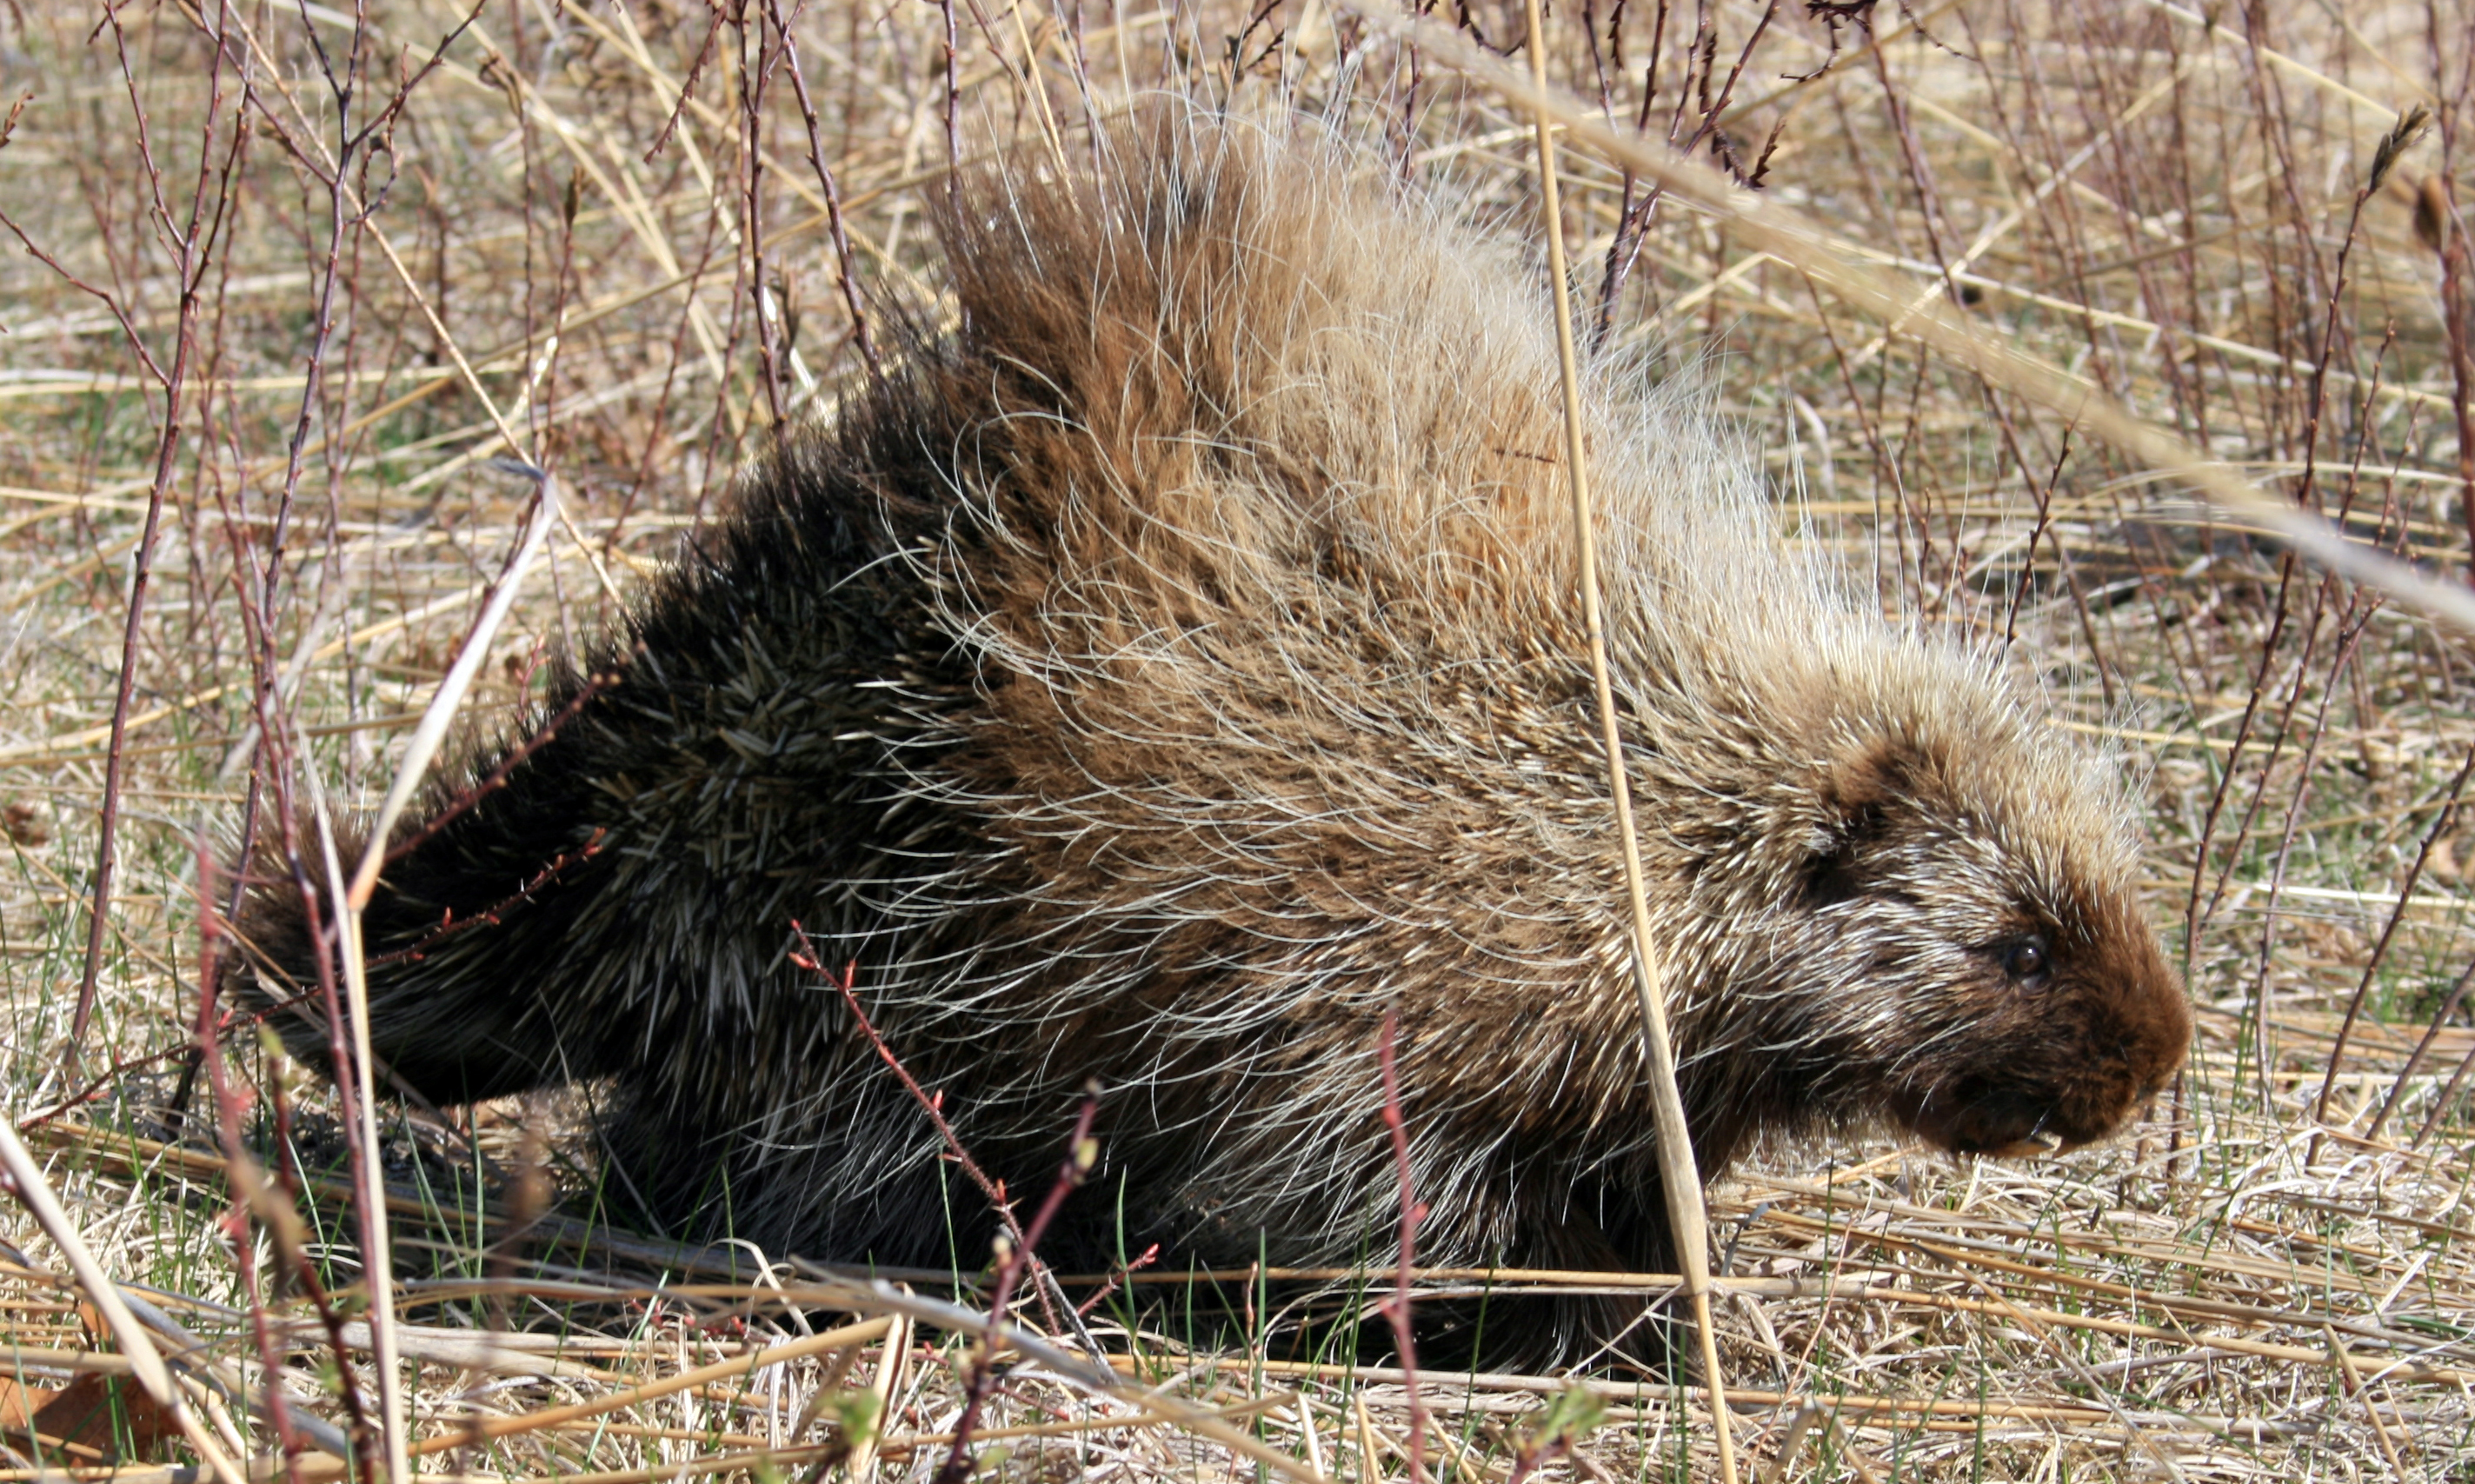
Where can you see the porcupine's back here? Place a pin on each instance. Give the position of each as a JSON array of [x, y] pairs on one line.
[[1169, 671]]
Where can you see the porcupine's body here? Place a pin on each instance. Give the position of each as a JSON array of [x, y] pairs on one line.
[[1175, 667]]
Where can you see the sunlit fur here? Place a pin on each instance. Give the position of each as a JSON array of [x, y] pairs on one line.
[[1176, 666]]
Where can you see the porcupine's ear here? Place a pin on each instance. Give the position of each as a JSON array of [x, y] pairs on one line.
[[1861, 790]]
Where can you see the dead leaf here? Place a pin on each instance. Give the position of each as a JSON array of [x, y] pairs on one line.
[[80, 1419], [24, 824]]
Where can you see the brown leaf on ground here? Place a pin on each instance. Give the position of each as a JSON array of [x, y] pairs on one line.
[[24, 824], [80, 1419]]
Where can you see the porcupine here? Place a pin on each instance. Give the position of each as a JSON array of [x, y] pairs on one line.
[[1175, 666]]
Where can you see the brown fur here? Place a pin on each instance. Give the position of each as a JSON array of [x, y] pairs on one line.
[[1173, 669]]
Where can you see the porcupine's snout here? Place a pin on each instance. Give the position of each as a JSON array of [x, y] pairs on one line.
[[2104, 1037]]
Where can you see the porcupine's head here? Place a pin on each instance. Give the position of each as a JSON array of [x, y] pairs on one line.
[[1954, 939]]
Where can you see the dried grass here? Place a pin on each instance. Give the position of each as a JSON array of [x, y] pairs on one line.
[[588, 236]]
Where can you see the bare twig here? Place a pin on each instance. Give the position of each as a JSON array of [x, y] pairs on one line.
[[1397, 1307], [934, 1107], [193, 243], [845, 272], [1082, 1152], [2442, 823]]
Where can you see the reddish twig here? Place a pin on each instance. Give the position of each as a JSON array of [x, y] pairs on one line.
[[844, 268], [340, 220], [290, 1182], [1397, 1308], [953, 94], [97, 1086], [1081, 1154], [2440, 1017], [688, 85], [1116, 1279], [193, 252], [1633, 218], [451, 925], [932, 1105], [2458, 310], [2045, 493], [498, 779], [209, 1041], [208, 1038], [935, 1106], [2442, 824], [2440, 1104], [2442, 227], [764, 300]]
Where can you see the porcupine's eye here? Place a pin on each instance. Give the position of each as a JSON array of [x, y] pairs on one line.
[[2028, 960]]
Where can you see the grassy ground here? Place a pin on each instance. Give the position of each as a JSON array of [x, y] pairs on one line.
[[284, 280]]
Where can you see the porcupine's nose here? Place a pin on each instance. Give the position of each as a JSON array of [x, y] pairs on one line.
[[2012, 1117], [1978, 1115]]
